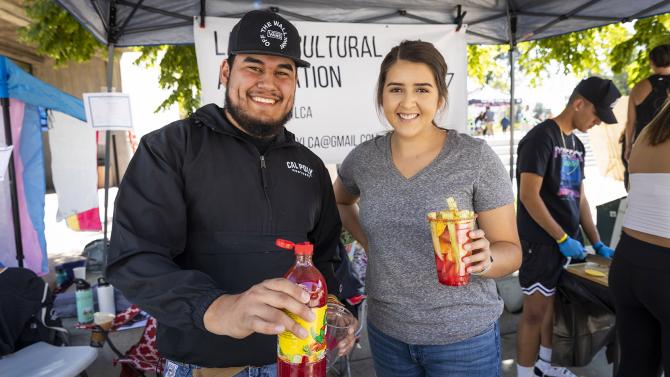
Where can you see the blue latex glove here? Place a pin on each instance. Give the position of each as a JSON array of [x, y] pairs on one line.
[[572, 248], [604, 250]]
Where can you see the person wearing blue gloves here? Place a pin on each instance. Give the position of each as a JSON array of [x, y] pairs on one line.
[[551, 208], [602, 249]]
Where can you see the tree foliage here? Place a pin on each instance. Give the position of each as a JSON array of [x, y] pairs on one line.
[[611, 51], [178, 72], [56, 34], [632, 55]]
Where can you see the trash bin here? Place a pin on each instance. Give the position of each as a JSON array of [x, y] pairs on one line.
[[584, 321], [609, 216]]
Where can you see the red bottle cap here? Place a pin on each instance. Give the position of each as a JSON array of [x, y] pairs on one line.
[[304, 248]]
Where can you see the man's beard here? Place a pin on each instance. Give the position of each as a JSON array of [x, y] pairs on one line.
[[253, 126]]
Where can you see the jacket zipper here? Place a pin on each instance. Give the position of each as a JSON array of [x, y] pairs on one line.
[[265, 190]]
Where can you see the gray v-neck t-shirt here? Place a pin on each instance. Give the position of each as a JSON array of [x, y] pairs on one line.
[[405, 299]]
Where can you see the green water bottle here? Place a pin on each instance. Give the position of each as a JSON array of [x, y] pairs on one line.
[[84, 298]]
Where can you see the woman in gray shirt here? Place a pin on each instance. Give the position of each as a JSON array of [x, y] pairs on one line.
[[417, 326]]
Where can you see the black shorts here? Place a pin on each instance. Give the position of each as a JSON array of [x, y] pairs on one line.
[[541, 267]]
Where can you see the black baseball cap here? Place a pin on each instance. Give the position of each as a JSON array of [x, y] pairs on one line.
[[603, 94], [267, 33]]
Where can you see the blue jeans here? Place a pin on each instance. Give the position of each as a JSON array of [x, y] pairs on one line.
[[176, 369], [478, 356]]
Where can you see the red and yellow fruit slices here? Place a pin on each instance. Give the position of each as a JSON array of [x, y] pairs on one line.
[[446, 230], [436, 229]]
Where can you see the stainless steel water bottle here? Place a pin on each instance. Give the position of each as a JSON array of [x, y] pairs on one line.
[[84, 297], [105, 297]]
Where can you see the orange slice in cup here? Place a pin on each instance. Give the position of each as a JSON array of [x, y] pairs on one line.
[[436, 229]]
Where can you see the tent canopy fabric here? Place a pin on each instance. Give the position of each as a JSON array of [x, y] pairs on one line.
[[154, 22]]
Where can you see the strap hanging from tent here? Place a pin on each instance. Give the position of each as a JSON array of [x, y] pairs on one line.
[[203, 12], [460, 15]]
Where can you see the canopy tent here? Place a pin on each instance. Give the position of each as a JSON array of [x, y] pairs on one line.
[[22, 96], [153, 22]]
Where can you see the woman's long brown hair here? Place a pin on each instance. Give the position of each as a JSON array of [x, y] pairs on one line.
[[658, 130]]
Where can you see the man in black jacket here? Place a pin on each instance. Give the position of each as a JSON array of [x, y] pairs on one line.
[[205, 198]]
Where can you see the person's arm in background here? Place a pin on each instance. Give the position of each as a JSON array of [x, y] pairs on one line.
[[150, 224], [346, 205]]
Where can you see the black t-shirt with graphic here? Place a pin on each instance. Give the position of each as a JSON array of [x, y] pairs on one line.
[[559, 159]]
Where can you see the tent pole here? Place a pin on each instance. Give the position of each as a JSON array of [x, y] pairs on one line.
[[110, 75], [12, 183], [511, 28], [511, 112], [4, 101]]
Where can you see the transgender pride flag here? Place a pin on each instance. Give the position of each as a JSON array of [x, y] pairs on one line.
[[26, 94]]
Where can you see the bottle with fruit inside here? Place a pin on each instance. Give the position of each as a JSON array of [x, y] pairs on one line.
[[304, 357]]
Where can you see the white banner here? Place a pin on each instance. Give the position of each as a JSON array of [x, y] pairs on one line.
[[335, 106]]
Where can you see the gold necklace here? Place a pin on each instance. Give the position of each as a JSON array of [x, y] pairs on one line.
[[563, 138]]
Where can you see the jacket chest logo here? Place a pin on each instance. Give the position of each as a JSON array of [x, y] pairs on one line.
[[299, 168]]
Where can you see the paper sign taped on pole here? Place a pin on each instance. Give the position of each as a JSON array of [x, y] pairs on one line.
[[335, 107], [108, 111]]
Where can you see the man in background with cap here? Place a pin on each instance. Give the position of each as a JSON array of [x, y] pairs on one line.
[[202, 203], [551, 208]]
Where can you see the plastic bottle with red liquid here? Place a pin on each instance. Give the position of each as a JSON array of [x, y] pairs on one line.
[[304, 357]]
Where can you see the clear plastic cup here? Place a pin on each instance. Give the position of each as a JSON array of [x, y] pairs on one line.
[[449, 234], [338, 322]]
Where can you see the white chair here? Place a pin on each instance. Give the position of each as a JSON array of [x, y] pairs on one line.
[[43, 359]]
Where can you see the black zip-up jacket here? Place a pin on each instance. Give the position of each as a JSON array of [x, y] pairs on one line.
[[197, 215]]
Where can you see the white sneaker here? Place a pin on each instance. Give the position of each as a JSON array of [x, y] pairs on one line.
[[542, 370]]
